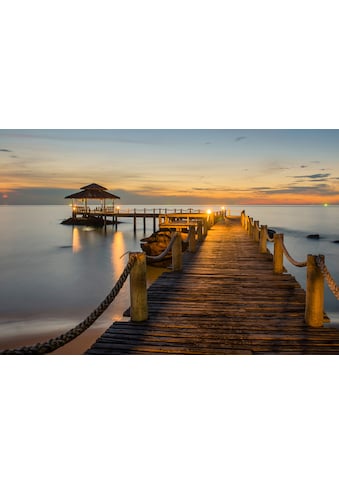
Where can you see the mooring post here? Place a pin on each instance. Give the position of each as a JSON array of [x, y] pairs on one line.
[[278, 256], [314, 309], [177, 253], [263, 239], [135, 220], [191, 240], [138, 289]]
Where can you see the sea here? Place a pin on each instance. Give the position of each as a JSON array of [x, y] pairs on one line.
[[52, 275]]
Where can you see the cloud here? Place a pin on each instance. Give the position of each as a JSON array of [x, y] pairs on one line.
[[259, 188], [5, 150], [322, 189], [314, 176], [239, 138]]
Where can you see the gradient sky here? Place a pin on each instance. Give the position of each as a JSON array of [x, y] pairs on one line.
[[172, 166]]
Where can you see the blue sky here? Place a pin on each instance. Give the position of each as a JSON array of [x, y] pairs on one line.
[[167, 166]]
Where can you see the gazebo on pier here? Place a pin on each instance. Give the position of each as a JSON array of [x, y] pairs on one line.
[[81, 205]]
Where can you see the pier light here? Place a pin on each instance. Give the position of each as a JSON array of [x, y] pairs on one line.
[[209, 211]]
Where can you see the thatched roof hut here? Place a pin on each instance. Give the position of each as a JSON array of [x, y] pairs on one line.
[[93, 191]]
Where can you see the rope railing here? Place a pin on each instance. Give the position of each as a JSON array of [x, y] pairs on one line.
[[299, 264], [327, 276], [57, 342], [317, 271]]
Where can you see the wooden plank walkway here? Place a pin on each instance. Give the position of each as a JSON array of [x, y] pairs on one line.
[[225, 301]]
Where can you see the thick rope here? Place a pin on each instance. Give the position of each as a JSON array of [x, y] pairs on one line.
[[55, 343], [327, 275], [289, 257]]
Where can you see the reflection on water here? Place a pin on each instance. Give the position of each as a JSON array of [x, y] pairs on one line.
[[52, 276], [76, 244], [118, 250]]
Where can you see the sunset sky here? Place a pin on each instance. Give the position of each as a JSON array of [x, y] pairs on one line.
[[172, 166]]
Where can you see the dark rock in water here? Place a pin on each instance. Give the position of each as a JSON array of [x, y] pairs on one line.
[[87, 220], [336, 241], [155, 244], [313, 236], [271, 233]]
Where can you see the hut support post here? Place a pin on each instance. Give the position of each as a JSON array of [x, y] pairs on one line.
[[278, 256], [177, 253], [314, 310], [138, 289]]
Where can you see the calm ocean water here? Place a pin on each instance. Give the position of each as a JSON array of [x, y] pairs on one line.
[[52, 276]]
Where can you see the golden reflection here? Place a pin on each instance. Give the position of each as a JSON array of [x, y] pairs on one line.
[[118, 248], [76, 244]]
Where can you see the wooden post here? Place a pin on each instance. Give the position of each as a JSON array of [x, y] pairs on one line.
[[205, 226], [250, 227], [138, 289], [256, 231], [263, 239], [135, 221], [177, 253], [200, 237], [242, 218], [314, 309], [278, 256], [154, 220], [191, 240]]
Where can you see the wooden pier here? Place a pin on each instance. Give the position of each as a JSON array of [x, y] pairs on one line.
[[226, 300], [113, 215]]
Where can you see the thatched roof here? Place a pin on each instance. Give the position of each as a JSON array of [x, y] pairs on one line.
[[93, 186], [92, 191]]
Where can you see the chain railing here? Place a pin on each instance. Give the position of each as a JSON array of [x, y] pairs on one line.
[[317, 271]]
